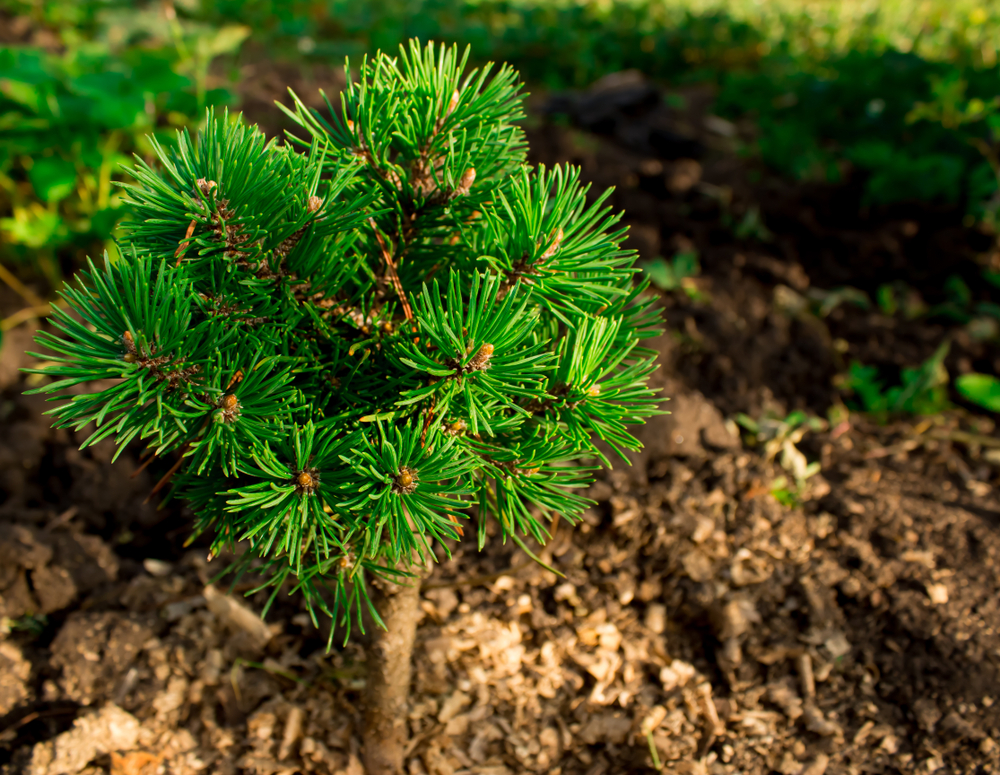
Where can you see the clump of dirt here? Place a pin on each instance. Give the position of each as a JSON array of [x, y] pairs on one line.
[[45, 571]]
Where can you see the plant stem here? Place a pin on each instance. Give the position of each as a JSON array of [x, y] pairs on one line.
[[389, 670]]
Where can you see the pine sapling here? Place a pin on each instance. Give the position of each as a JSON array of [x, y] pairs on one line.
[[355, 342]]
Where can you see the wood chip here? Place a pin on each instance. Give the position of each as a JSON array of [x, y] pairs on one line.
[[237, 615]]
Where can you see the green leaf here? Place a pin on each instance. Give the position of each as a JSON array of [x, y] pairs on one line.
[[35, 227], [53, 178], [887, 303], [993, 278], [686, 264], [226, 40], [746, 421], [981, 389], [661, 274], [26, 94]]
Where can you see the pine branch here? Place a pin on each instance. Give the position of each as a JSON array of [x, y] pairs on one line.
[[352, 339]]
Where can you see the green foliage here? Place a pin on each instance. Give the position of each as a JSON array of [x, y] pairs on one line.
[[355, 338], [923, 390], [981, 389], [901, 91], [33, 624], [68, 120], [864, 107], [675, 274], [831, 84], [952, 109], [780, 436]]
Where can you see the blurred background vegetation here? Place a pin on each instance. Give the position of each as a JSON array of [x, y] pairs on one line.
[[906, 91]]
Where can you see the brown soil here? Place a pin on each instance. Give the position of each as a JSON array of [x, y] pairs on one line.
[[855, 632]]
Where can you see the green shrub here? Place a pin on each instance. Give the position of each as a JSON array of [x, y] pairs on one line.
[[354, 343]]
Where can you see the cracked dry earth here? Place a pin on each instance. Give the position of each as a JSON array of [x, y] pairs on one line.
[[857, 632]]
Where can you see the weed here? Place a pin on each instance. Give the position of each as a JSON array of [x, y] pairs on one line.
[[780, 435], [34, 624], [825, 302], [923, 390], [980, 389], [676, 274]]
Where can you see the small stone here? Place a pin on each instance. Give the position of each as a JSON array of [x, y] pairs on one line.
[[837, 645], [889, 744], [938, 593], [736, 618], [157, 568], [656, 618], [703, 530], [677, 673], [565, 591]]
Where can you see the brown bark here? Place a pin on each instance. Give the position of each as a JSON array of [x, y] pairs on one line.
[[387, 687]]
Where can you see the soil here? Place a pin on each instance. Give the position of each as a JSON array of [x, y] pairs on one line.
[[853, 629]]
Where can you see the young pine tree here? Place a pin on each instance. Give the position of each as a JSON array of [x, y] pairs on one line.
[[353, 341]]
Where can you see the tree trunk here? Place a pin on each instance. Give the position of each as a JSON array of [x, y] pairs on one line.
[[387, 687]]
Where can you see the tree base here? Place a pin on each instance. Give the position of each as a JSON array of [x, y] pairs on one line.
[[389, 658]]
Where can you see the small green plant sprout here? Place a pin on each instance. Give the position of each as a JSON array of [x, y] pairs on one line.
[[353, 341], [823, 302], [752, 226], [779, 436], [923, 390], [980, 389], [980, 318], [898, 298], [676, 274], [34, 624]]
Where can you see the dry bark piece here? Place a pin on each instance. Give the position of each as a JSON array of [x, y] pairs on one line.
[[656, 618], [237, 615], [782, 694], [817, 766], [292, 732], [134, 763], [816, 722]]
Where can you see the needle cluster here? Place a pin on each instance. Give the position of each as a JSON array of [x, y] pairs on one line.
[[354, 340]]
